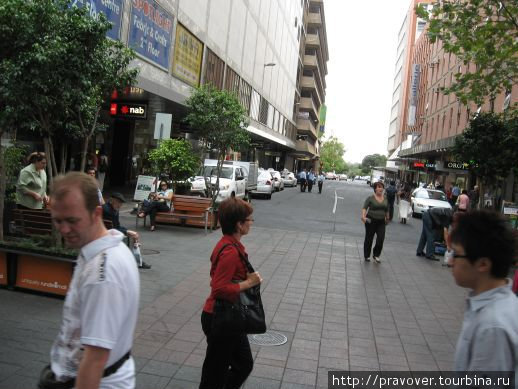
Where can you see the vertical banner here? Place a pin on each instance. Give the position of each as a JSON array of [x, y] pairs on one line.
[[322, 119], [188, 52], [414, 90], [150, 32], [112, 9]]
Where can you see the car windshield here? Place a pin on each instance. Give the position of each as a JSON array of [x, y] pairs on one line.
[[265, 176], [226, 172], [430, 194]]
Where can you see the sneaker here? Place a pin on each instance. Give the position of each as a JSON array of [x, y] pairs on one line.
[[421, 254], [367, 259], [144, 266], [377, 259]]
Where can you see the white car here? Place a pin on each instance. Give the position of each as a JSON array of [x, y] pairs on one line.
[[264, 184], [290, 179], [232, 182], [278, 181], [342, 177], [423, 199]]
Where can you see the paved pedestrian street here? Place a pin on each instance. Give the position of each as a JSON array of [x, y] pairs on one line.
[[337, 312]]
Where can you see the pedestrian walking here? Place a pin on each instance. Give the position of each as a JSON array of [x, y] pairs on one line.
[[100, 312], [311, 180], [484, 249], [462, 204], [391, 192], [228, 359], [31, 188], [111, 212], [302, 180], [404, 203], [474, 197], [455, 193], [375, 217], [103, 167], [321, 179], [435, 227], [93, 173]]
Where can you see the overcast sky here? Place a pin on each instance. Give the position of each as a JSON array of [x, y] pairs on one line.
[[362, 39]]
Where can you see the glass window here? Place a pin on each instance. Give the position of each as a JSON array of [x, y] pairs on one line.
[[232, 82], [254, 105], [214, 69]]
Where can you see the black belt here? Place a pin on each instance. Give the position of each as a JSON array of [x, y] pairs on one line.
[[113, 368]]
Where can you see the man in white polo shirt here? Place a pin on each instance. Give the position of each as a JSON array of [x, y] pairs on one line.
[[101, 307]]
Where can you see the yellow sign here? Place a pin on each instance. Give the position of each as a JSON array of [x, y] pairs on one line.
[[188, 52]]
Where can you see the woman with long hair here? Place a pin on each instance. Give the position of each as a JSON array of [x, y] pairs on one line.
[[375, 215]]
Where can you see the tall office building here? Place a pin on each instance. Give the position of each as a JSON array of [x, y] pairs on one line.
[[311, 84]]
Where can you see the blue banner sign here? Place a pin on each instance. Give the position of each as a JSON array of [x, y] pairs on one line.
[[112, 9], [150, 31]]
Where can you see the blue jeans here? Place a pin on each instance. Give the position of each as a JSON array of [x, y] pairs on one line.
[[427, 236]]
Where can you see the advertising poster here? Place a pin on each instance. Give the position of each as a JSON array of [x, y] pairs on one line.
[[150, 31], [145, 185], [510, 211], [43, 275], [112, 9], [188, 53]]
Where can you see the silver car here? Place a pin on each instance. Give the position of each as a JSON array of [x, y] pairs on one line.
[[264, 184], [290, 179], [423, 199]]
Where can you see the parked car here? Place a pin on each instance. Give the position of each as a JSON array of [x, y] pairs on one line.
[[290, 179], [342, 177], [264, 184], [331, 176], [278, 181], [423, 199]]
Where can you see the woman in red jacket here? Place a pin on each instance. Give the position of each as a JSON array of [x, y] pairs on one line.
[[228, 360]]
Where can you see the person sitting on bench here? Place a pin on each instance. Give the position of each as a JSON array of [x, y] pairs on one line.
[[158, 202], [111, 212]]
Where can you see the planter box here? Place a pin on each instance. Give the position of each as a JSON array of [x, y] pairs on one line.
[[39, 272]]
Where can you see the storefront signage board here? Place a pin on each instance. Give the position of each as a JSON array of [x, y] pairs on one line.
[[456, 165], [188, 53], [145, 185], [128, 110], [112, 9], [150, 32], [3, 269], [43, 275]]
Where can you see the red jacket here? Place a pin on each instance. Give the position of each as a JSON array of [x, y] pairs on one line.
[[228, 267]]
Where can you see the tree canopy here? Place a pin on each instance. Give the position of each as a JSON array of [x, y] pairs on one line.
[[483, 33], [176, 158], [373, 160], [332, 156]]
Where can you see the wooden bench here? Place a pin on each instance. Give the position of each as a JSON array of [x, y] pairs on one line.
[[37, 222], [187, 210]]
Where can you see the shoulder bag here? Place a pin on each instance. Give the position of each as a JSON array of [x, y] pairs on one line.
[[246, 315]]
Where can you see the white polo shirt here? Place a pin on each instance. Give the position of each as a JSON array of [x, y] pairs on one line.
[[100, 310]]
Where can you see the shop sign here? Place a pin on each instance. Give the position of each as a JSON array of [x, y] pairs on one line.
[[112, 9], [150, 31], [430, 165], [188, 52], [273, 153], [419, 165], [129, 111], [3, 269], [456, 165]]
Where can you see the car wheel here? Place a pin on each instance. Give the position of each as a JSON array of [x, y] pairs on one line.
[[269, 196], [414, 215]]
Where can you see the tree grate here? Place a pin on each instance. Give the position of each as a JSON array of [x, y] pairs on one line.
[[270, 338]]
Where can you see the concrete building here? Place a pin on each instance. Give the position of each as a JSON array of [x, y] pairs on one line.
[[249, 47], [311, 85]]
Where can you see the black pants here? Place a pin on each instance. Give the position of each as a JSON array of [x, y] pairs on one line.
[[302, 184], [320, 183], [310, 185], [152, 207], [391, 208], [224, 352], [374, 227]]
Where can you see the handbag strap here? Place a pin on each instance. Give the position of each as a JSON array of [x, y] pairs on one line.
[[244, 258]]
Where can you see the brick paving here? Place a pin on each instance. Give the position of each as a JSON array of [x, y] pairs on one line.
[[337, 312]]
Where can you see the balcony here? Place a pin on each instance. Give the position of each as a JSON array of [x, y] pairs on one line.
[[307, 104], [306, 127], [311, 84], [312, 41], [314, 19], [305, 148], [310, 61]]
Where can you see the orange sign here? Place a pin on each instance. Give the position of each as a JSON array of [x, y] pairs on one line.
[[44, 275], [3, 269]]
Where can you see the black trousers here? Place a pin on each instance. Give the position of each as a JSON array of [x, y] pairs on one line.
[[374, 227], [391, 208], [228, 361], [320, 183], [302, 184], [310, 185], [152, 207]]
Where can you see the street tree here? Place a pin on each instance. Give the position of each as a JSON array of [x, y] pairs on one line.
[[373, 160], [332, 155], [483, 35], [220, 123], [490, 146], [176, 158]]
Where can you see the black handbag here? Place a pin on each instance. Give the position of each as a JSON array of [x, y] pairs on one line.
[[245, 316]]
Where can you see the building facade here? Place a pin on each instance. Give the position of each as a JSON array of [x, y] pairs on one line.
[[309, 109]]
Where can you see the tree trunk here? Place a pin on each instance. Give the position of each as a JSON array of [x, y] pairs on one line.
[[63, 158], [2, 189], [84, 150], [50, 173], [53, 157], [221, 157]]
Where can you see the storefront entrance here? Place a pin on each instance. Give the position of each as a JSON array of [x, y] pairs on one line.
[[120, 158]]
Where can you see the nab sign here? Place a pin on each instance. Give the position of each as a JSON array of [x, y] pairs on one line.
[[128, 110]]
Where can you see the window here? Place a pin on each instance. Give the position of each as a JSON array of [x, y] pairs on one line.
[[255, 105], [245, 93], [263, 111], [232, 81], [214, 70], [269, 120], [507, 100]]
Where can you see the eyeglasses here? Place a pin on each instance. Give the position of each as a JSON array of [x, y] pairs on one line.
[[249, 219]]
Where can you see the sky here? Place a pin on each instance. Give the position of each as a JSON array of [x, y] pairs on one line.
[[362, 40]]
